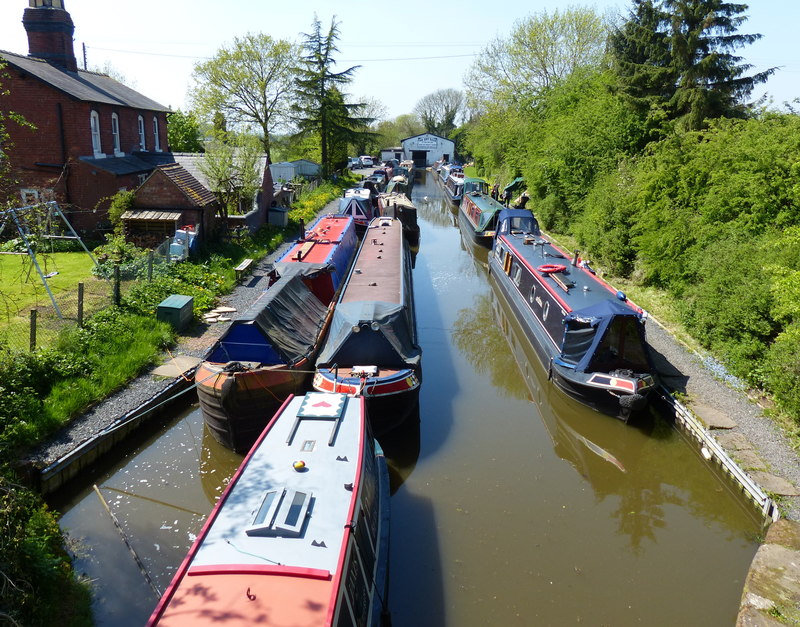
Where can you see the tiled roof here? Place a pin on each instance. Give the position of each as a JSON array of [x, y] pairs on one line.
[[195, 191], [82, 85]]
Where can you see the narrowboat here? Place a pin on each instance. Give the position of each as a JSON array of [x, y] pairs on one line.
[[268, 352], [457, 185], [477, 214], [371, 349], [397, 205], [589, 337], [301, 534], [447, 169], [359, 203]]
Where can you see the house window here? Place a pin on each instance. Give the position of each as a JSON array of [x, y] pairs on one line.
[[142, 144], [97, 147], [115, 134], [156, 141]]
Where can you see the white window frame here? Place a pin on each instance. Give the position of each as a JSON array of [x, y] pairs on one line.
[[115, 135], [156, 140], [142, 140], [97, 144]]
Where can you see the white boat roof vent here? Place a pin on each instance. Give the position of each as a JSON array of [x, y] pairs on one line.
[[282, 512]]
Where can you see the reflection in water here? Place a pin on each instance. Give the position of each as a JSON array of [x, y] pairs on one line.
[[216, 462], [401, 447], [632, 463]]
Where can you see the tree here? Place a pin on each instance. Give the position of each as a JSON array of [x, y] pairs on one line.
[[250, 83], [320, 108], [231, 167], [677, 56], [438, 111], [641, 59], [183, 132], [541, 50]]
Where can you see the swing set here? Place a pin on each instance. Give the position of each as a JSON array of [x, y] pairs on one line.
[[41, 220]]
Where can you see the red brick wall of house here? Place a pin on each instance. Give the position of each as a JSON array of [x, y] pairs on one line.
[[159, 192], [63, 131]]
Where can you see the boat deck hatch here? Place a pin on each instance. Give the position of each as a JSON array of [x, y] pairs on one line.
[[282, 512]]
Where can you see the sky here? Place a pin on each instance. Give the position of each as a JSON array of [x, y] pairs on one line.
[[406, 50]]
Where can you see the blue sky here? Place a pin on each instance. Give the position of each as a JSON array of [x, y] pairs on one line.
[[406, 50]]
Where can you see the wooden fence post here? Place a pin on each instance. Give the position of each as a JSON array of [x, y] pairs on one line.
[[80, 305], [150, 256], [116, 285], [33, 330]]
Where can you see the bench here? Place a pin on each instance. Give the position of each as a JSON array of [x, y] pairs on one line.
[[242, 268]]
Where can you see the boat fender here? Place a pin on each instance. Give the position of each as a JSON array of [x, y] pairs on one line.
[[550, 268]]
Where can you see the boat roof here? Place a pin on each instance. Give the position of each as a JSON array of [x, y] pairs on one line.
[[257, 557], [377, 273], [321, 238], [357, 192], [576, 288], [373, 322]]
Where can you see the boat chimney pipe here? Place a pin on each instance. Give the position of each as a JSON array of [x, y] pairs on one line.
[[302, 229], [575, 258]]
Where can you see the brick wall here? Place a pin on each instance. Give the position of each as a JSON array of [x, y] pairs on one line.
[[49, 155]]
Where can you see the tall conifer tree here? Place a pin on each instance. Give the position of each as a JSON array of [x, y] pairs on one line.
[[676, 58], [321, 109]]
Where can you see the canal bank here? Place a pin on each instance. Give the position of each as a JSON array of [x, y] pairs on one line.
[[454, 472]]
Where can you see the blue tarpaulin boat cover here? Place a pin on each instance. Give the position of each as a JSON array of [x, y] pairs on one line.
[[282, 326], [586, 327]]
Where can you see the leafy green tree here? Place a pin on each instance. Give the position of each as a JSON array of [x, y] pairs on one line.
[[231, 168], [440, 110], [250, 83], [183, 132], [320, 107], [541, 50]]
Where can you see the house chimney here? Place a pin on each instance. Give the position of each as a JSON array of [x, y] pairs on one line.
[[50, 31]]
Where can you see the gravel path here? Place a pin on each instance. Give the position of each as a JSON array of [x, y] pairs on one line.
[[682, 370]]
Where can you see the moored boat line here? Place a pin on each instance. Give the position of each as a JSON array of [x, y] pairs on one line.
[[301, 533], [477, 214], [589, 336], [268, 352]]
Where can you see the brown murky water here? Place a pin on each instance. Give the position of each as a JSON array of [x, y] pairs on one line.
[[512, 504]]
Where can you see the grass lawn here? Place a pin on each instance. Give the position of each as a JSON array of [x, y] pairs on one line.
[[20, 284]]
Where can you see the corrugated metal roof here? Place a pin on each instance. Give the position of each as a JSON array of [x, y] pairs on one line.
[[82, 85], [129, 164], [154, 215]]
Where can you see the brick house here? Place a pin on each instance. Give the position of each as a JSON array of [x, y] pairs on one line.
[[93, 135], [170, 199]]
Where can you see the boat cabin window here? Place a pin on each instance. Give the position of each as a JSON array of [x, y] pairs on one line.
[[498, 252], [621, 348], [520, 224], [532, 295], [516, 273]]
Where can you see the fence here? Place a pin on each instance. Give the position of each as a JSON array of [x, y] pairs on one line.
[[39, 324]]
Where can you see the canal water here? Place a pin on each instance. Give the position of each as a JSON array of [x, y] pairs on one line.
[[512, 505]]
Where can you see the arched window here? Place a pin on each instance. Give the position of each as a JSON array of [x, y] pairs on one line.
[[97, 147], [115, 134], [142, 144], [156, 140]]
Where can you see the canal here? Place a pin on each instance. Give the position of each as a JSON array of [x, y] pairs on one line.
[[512, 505]]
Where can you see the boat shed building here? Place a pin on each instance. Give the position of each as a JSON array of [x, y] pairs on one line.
[[424, 150]]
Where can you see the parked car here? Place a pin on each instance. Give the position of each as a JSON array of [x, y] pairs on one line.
[[353, 163], [366, 162]]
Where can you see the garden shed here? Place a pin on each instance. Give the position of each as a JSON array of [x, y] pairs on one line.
[[283, 171]]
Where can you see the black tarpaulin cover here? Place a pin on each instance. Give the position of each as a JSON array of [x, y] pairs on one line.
[[391, 346], [280, 327]]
